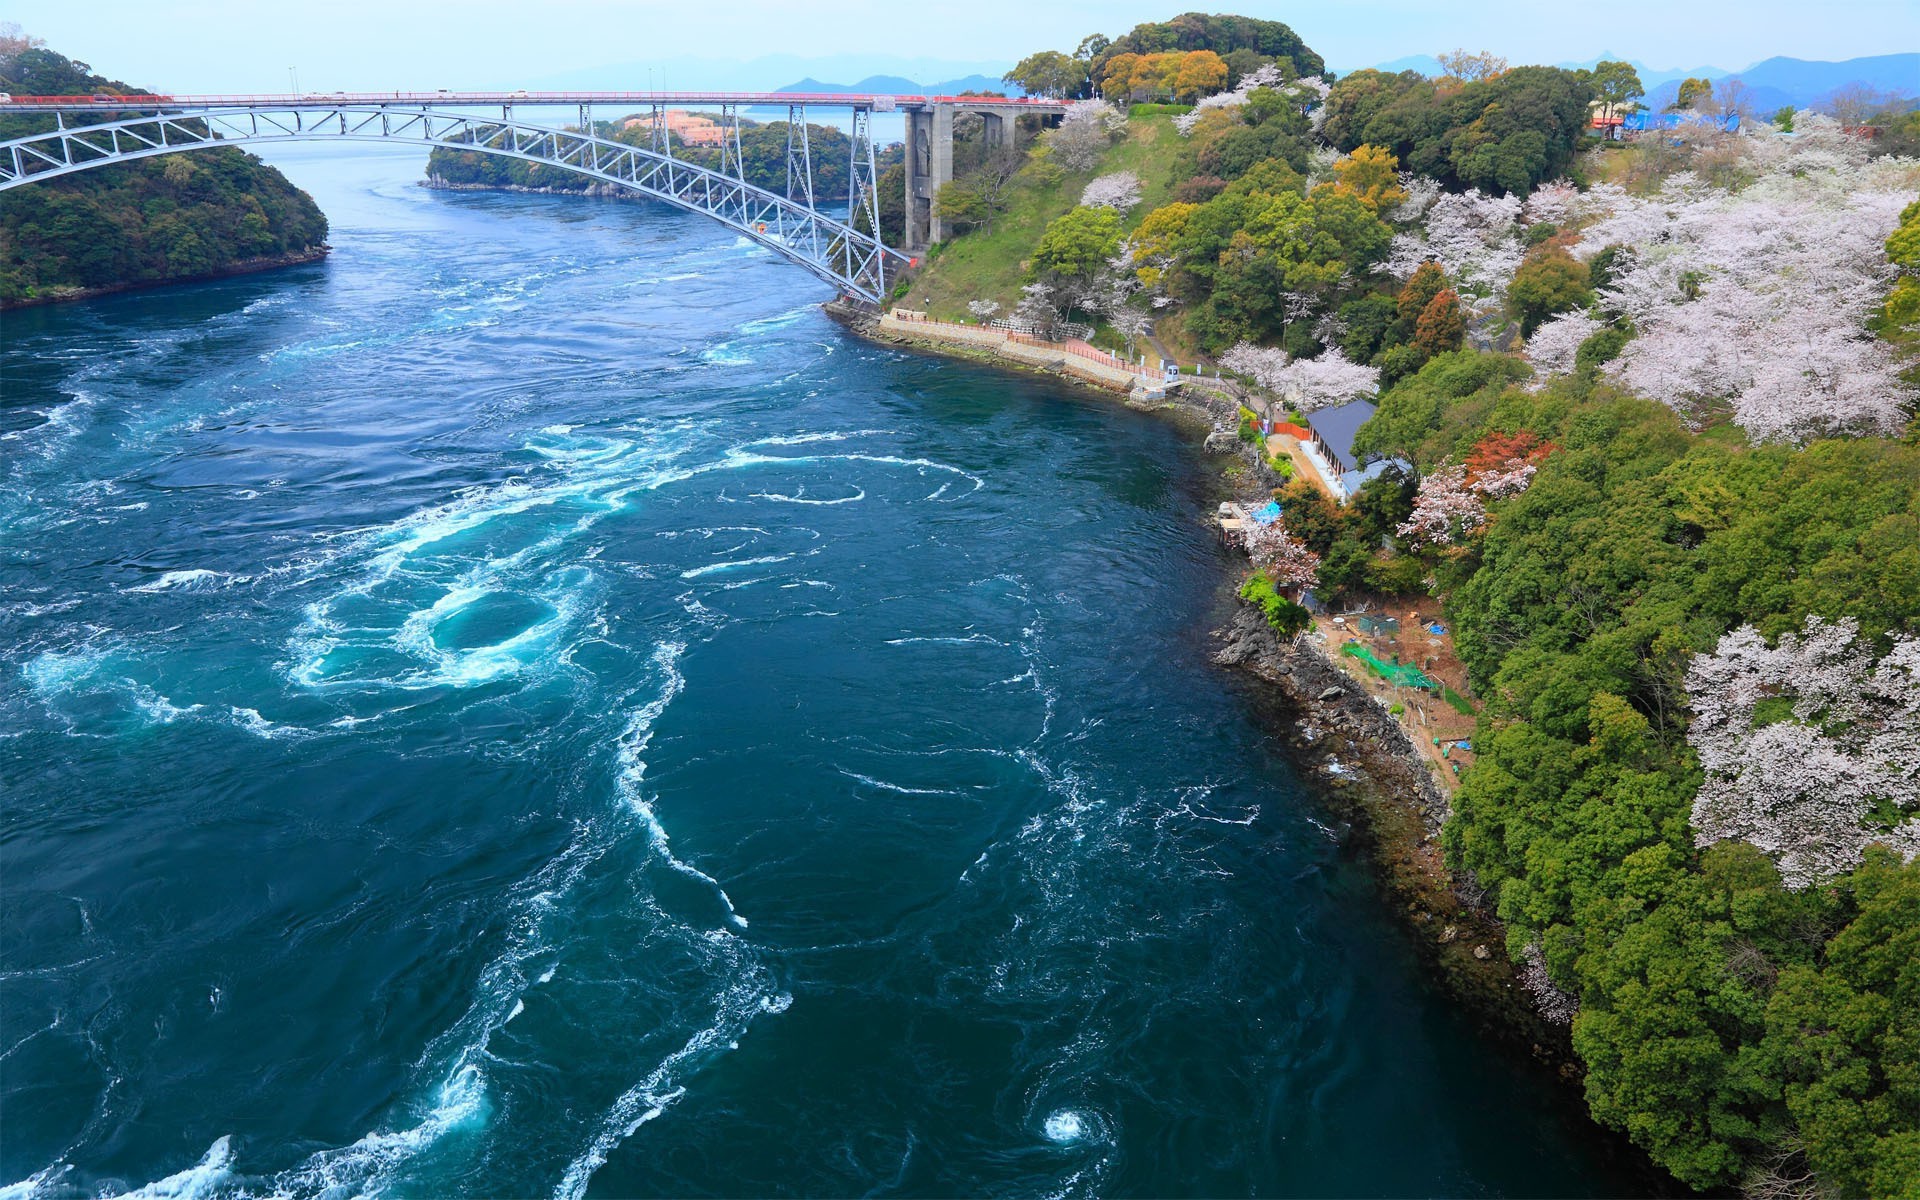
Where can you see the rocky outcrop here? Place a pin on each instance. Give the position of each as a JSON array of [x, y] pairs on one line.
[[1378, 783], [1335, 712], [442, 184]]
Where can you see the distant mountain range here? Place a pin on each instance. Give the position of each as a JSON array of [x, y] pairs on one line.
[[1774, 83], [899, 85], [1796, 83]]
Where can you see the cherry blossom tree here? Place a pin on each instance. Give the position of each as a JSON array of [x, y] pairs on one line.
[[1085, 131], [1555, 1005], [1262, 364], [1119, 191], [1754, 302], [1554, 203], [1305, 383], [1039, 306], [1553, 346], [1327, 381], [1474, 237], [1445, 510], [983, 309], [1268, 76], [1811, 748], [1284, 557]]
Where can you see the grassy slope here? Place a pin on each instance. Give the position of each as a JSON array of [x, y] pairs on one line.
[[990, 264]]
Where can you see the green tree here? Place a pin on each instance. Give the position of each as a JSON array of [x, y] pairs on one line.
[[1077, 244], [1692, 94], [1549, 281], [1049, 73], [1617, 86], [1845, 1036]]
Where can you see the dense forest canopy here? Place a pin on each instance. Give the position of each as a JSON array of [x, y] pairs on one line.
[[177, 216], [1653, 403]]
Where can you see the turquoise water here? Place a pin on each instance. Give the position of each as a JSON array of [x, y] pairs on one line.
[[529, 707]]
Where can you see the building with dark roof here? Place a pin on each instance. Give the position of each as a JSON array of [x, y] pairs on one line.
[[1333, 430]]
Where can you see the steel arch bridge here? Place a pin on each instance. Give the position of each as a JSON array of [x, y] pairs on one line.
[[791, 225]]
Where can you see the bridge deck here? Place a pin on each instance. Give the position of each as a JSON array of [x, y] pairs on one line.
[[873, 102]]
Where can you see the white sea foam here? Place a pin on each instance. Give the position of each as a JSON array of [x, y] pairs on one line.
[[195, 579], [769, 324], [807, 439], [894, 787], [203, 1179], [632, 769], [801, 497], [735, 564], [1064, 1126], [649, 1098]]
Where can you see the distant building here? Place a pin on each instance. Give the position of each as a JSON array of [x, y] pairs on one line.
[[689, 129], [1331, 433]]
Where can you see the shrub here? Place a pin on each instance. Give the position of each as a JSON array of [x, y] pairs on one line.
[[1286, 617]]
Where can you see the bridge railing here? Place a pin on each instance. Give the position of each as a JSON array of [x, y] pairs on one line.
[[879, 102]]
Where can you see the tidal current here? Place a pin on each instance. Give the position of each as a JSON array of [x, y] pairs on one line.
[[529, 707]]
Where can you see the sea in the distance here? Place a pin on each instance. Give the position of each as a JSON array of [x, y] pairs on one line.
[[529, 707]]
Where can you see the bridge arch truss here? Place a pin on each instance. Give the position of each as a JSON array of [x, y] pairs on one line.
[[791, 225]]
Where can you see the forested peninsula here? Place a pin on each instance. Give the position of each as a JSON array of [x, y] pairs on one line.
[[1640, 428], [158, 220]]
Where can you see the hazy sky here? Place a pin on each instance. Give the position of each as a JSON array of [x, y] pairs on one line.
[[222, 45]]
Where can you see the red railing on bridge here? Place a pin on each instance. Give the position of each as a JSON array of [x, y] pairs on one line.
[[876, 101]]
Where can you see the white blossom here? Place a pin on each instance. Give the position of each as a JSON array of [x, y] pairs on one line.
[[983, 308], [1084, 132], [1119, 191], [1811, 749], [1510, 478], [1554, 203], [1262, 364], [1553, 345], [1754, 302], [1421, 190], [1285, 558], [1476, 240], [1307, 93], [1445, 510], [1305, 383], [1268, 76], [1555, 1005]]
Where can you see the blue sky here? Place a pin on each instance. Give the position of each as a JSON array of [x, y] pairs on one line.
[[221, 45]]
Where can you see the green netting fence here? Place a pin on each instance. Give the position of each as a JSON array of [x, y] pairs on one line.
[[1404, 674]]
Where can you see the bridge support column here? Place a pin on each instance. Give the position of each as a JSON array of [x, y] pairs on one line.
[[998, 128], [929, 146]]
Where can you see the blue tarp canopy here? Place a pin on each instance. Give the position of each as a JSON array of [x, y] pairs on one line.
[[1267, 515], [1641, 122]]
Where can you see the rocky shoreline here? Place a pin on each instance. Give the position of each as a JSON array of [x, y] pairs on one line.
[[1373, 773], [441, 183], [245, 266]]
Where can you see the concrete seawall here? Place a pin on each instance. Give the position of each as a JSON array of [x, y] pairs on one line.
[[1003, 345]]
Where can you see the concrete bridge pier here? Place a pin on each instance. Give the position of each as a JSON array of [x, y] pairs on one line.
[[929, 147]]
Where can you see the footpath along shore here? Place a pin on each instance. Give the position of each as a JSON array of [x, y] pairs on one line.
[[1314, 698]]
